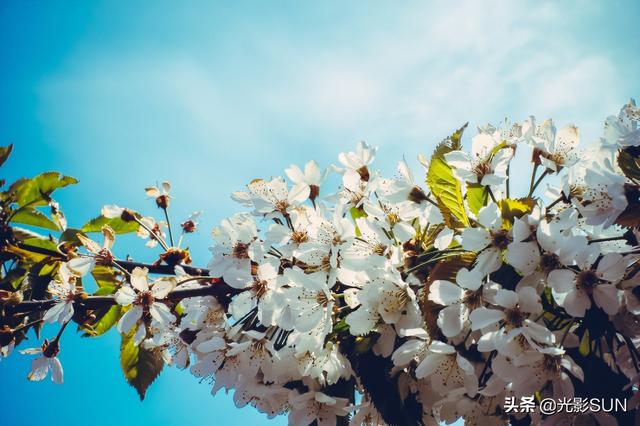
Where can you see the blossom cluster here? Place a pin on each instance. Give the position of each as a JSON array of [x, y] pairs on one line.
[[466, 294]]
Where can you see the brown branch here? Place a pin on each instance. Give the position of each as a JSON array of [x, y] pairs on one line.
[[161, 269], [221, 290]]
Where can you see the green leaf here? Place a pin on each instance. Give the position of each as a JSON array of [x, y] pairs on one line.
[[512, 208], [14, 277], [37, 191], [5, 151], [70, 236], [33, 217], [355, 214], [585, 346], [105, 290], [104, 276], [26, 254], [364, 343], [44, 243], [105, 321], [629, 162], [444, 186], [118, 225], [140, 366], [477, 197]]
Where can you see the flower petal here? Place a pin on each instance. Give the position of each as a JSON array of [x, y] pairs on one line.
[[445, 292], [483, 317], [162, 287], [608, 297], [57, 374], [129, 319]]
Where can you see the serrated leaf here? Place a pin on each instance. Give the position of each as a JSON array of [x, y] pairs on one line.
[[37, 191], [629, 162], [33, 217], [477, 197], [104, 276], [444, 186], [14, 278], [515, 208], [118, 225], [140, 366], [105, 290], [630, 217], [26, 254], [44, 243], [585, 346], [70, 236], [106, 320], [5, 151]]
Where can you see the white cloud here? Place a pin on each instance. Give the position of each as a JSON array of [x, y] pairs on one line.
[[404, 78]]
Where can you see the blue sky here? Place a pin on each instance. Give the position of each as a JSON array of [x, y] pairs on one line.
[[210, 95]]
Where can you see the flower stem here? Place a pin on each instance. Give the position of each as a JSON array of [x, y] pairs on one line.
[[166, 216]]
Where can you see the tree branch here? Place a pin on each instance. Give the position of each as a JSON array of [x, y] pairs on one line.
[[221, 290], [217, 287]]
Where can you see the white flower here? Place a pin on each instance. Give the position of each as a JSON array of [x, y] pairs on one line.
[[310, 300], [143, 298], [152, 230], [316, 406], [64, 291], [447, 370], [82, 265], [538, 369], [204, 314], [173, 349], [327, 366], [48, 360], [357, 162], [460, 300], [265, 292], [305, 184], [388, 298], [413, 349], [604, 197], [489, 239], [483, 166], [237, 245], [367, 415], [622, 131], [287, 237], [156, 192], [514, 321], [111, 211], [369, 250], [396, 215], [556, 150], [268, 198], [574, 290]]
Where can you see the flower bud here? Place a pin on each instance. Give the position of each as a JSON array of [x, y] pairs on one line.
[[175, 256], [364, 173], [162, 201], [188, 227], [50, 350], [314, 191], [128, 215]]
